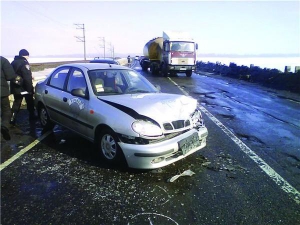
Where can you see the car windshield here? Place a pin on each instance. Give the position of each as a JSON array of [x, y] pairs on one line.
[[107, 82]]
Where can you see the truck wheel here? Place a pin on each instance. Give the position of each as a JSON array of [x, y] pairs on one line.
[[152, 69], [173, 74], [189, 73], [154, 72]]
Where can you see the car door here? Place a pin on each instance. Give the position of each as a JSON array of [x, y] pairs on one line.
[[54, 92], [77, 107]]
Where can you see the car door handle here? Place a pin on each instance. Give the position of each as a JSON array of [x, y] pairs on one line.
[[46, 91], [65, 99]]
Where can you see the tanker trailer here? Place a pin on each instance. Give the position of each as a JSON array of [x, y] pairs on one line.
[[153, 53], [173, 53]]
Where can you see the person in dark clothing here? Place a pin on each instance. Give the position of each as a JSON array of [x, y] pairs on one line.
[[22, 68], [7, 74], [128, 59]]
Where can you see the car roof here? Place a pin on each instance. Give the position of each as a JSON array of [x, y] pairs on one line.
[[95, 66], [106, 60], [103, 60]]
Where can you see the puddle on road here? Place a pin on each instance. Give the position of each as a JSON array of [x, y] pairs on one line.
[[252, 139], [227, 116], [287, 98]]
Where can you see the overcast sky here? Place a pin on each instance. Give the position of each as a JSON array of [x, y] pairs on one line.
[[219, 27]]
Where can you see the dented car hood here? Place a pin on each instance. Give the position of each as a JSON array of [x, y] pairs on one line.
[[161, 107]]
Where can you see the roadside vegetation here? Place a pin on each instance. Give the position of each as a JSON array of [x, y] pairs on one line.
[[271, 78], [41, 66]]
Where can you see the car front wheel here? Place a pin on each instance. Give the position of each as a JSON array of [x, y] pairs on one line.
[[109, 148]]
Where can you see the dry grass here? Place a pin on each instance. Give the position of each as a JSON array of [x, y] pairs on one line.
[[41, 66]]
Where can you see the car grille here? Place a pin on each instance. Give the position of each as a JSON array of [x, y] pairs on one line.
[[143, 141], [178, 124], [166, 137]]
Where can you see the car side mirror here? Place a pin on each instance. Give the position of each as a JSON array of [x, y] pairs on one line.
[[166, 46], [78, 92], [157, 87]]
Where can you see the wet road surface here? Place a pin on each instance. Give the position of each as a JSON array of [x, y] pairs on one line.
[[61, 180]]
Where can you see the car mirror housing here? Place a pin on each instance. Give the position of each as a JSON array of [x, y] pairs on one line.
[[158, 88], [78, 92]]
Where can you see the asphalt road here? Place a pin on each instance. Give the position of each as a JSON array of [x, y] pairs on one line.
[[249, 172]]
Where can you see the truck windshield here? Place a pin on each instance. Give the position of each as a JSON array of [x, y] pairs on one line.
[[182, 46]]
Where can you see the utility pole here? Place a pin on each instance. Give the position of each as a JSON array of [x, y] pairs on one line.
[[103, 45], [81, 39], [112, 50]]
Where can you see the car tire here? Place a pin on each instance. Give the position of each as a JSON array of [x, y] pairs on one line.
[[44, 118], [108, 147]]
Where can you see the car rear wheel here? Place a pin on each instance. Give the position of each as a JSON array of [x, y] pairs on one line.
[[108, 146], [44, 118]]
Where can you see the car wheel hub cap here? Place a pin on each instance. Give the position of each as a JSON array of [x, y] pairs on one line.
[[108, 146], [43, 117]]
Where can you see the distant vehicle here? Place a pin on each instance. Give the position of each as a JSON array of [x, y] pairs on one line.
[[174, 52], [104, 60], [119, 110], [141, 57], [136, 57]]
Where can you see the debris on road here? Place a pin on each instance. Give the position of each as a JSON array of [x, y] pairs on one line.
[[62, 141], [185, 173], [206, 164]]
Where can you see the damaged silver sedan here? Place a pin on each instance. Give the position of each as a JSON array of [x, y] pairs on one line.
[[122, 113]]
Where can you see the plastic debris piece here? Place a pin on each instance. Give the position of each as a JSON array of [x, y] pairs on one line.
[[158, 170], [185, 173], [205, 163], [62, 141]]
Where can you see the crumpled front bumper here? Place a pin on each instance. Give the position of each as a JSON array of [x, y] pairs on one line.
[[156, 155]]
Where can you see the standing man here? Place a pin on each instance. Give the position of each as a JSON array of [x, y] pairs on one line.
[[128, 59], [22, 68], [7, 74]]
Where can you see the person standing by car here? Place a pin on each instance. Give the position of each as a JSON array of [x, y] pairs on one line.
[[128, 59], [7, 74], [25, 89]]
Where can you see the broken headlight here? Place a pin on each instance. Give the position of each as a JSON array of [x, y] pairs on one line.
[[197, 119]]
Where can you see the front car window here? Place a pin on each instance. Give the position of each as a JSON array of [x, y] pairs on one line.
[[76, 80], [107, 82]]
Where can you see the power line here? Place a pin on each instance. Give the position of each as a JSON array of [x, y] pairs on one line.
[[36, 13]]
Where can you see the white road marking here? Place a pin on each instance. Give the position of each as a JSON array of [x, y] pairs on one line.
[[154, 215], [280, 181], [24, 150]]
